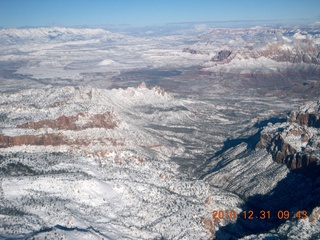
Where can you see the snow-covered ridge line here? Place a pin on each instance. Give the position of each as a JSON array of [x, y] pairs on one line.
[[50, 29], [79, 116], [83, 178], [73, 54], [53, 32], [296, 143], [280, 169]]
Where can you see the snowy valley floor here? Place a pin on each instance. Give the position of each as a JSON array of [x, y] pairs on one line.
[[108, 136]]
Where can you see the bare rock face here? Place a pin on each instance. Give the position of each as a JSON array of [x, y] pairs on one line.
[[290, 144], [79, 122], [302, 51], [315, 215], [43, 139], [55, 139], [308, 115], [221, 56], [247, 52], [295, 143], [194, 51]]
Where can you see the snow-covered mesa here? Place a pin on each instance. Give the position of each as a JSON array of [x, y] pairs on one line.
[[68, 53], [131, 136], [126, 190]]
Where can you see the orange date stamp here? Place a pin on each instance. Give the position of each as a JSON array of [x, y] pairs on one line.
[[262, 214]]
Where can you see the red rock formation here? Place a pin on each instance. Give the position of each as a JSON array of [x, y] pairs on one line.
[[54, 139], [209, 224], [79, 122], [305, 119], [283, 152], [302, 52], [43, 139], [278, 141]]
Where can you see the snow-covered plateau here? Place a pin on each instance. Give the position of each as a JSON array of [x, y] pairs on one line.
[[111, 135]]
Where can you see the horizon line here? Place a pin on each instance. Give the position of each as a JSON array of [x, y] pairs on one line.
[[124, 25]]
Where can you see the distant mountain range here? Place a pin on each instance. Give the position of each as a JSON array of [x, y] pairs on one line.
[[148, 135]]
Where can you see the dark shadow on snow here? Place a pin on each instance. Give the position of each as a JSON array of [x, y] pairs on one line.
[[298, 191], [294, 193], [251, 142], [264, 123]]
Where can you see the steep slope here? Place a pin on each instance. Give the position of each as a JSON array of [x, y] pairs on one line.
[[260, 51], [251, 169], [89, 163], [296, 143], [82, 162]]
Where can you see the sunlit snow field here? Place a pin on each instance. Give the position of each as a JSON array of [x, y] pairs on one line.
[[180, 147]]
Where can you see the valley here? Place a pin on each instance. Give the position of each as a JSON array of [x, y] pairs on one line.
[[115, 136]]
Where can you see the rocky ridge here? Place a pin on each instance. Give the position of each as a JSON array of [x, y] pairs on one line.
[[249, 51], [307, 115], [275, 168], [68, 116], [295, 143], [95, 161], [76, 123]]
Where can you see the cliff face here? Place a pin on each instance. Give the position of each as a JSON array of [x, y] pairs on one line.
[[295, 155], [43, 139], [305, 119], [309, 115], [259, 51], [221, 56], [81, 121], [295, 143], [302, 51], [55, 139]]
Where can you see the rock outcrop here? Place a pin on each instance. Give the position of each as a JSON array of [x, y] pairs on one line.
[[43, 140], [194, 51], [308, 115], [221, 56], [272, 53], [55, 139], [290, 144], [302, 51], [295, 143], [79, 122], [315, 215]]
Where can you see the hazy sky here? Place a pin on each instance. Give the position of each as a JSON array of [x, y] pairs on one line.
[[19, 13]]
